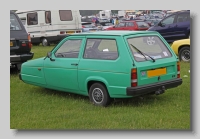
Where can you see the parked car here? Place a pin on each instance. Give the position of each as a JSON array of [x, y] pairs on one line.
[[174, 27], [130, 25], [88, 27], [20, 42], [182, 49], [107, 64]]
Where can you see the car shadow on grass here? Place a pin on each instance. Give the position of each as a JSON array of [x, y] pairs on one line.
[[134, 102]]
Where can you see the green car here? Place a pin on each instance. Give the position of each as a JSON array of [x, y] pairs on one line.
[[107, 64]]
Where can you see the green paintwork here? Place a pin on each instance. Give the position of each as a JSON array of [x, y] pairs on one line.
[[115, 74]]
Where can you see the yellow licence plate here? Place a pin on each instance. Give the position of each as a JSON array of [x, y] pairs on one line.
[[11, 43], [156, 72], [70, 32]]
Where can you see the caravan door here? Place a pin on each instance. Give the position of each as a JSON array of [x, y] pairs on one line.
[[48, 23]]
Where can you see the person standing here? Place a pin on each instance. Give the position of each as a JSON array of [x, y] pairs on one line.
[[117, 21]]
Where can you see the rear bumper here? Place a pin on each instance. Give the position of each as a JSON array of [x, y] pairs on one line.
[[145, 89], [21, 58]]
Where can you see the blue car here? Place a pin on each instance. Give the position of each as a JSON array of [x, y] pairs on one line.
[[174, 27]]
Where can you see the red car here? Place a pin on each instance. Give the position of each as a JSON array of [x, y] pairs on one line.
[[130, 25]]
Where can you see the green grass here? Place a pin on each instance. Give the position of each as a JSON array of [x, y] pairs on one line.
[[33, 107]]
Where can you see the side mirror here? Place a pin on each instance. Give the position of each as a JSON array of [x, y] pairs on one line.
[[161, 24], [49, 54]]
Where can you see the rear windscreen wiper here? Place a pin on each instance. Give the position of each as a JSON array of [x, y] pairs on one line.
[[143, 53]]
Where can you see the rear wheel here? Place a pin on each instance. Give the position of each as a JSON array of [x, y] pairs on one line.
[[98, 95], [184, 54], [45, 42]]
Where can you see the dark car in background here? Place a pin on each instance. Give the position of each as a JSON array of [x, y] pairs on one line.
[[20, 42], [174, 27]]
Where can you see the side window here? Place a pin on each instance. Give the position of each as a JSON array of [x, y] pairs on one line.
[[101, 49], [32, 19], [69, 49], [48, 17], [122, 24], [65, 15], [169, 20], [183, 18], [129, 24]]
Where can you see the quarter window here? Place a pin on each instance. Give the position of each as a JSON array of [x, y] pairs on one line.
[[70, 49], [32, 18], [65, 15], [183, 18], [101, 49], [14, 23]]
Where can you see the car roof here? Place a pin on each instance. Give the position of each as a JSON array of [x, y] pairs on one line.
[[178, 12], [113, 33]]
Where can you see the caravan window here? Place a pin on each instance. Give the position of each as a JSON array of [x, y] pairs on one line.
[[48, 17], [32, 19], [65, 15]]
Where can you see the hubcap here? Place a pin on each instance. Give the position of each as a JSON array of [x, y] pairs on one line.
[[185, 55], [44, 42], [97, 95]]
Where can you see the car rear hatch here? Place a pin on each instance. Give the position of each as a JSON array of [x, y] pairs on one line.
[[142, 25], [162, 66], [20, 42]]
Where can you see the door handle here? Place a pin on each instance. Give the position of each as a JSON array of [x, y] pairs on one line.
[[74, 64]]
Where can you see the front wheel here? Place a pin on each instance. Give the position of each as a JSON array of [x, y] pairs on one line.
[[98, 95], [184, 54]]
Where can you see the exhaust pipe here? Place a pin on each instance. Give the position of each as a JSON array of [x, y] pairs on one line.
[[160, 91]]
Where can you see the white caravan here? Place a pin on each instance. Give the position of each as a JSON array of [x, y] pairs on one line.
[[106, 14], [45, 26]]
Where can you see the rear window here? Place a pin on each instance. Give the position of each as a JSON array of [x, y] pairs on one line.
[[65, 15], [150, 45], [14, 23], [142, 24]]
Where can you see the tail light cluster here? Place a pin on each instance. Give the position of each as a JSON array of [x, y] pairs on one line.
[[134, 77], [178, 70], [83, 26], [29, 41], [62, 32]]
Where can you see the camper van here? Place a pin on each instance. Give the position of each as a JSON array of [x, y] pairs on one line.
[[46, 26]]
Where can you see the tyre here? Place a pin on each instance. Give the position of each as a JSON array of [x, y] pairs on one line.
[[184, 54], [45, 42], [98, 95]]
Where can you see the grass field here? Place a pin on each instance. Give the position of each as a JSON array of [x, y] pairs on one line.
[[33, 107]]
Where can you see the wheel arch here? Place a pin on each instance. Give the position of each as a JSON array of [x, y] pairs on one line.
[[90, 81]]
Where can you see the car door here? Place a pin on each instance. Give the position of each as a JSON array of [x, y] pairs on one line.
[[47, 25], [61, 70], [182, 25], [165, 27]]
